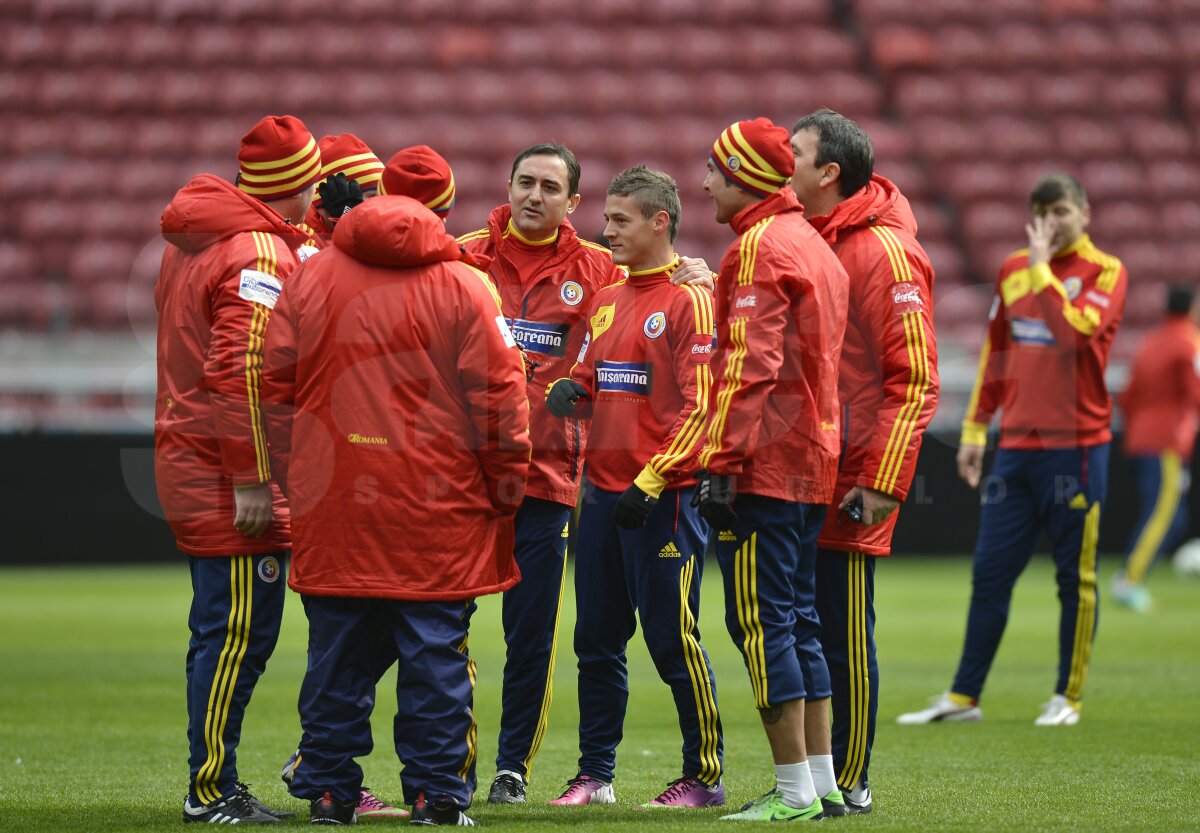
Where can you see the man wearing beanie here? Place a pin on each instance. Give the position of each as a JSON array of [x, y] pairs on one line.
[[546, 276], [405, 447], [231, 250], [771, 455], [348, 155], [888, 386]]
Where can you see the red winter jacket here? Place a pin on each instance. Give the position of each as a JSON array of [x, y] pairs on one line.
[[781, 316], [1162, 401], [219, 280], [887, 378], [545, 291], [397, 395]]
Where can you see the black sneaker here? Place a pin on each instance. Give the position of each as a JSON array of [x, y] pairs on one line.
[[263, 808], [507, 788], [236, 809], [857, 807], [325, 810], [424, 812]]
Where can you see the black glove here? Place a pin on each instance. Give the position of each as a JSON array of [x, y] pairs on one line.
[[633, 508], [715, 496], [339, 194], [562, 396]]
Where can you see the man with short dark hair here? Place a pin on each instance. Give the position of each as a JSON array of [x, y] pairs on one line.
[[888, 388], [1052, 324]]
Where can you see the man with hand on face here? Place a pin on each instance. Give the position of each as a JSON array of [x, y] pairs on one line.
[[546, 276], [642, 377], [1052, 324], [888, 388], [350, 173], [773, 443]]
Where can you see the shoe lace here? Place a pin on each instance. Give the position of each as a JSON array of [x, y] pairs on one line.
[[677, 789], [509, 784], [579, 782], [368, 800]]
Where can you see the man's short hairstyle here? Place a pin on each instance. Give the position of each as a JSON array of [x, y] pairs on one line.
[[653, 191], [1053, 187], [841, 140], [552, 149], [1180, 298]]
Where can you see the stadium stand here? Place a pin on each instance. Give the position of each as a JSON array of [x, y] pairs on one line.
[[112, 104]]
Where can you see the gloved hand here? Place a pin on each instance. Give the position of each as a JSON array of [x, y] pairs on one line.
[[339, 194], [562, 396], [715, 496], [633, 508]]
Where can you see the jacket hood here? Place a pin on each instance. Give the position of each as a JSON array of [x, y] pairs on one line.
[[879, 203], [208, 209], [395, 231]]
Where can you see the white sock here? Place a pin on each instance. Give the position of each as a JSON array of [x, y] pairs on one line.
[[795, 784], [859, 794], [821, 767]]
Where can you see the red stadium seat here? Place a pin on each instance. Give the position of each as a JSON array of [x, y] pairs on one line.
[[1123, 218], [986, 93], [1078, 92], [1019, 138], [966, 45], [923, 95], [1084, 43], [1174, 179], [949, 266], [1153, 140], [945, 138], [896, 47], [1139, 92], [1180, 219], [1144, 44], [1109, 179], [1085, 138]]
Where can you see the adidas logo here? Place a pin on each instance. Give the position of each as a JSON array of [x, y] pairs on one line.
[[670, 551], [566, 527], [726, 535]]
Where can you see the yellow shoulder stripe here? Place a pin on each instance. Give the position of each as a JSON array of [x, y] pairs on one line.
[[472, 235], [901, 268]]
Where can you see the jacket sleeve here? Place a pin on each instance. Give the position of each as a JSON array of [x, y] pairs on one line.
[[279, 383], [493, 378], [692, 345], [241, 306], [897, 308], [989, 388], [749, 354]]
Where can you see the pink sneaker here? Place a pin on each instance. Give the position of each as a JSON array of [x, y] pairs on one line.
[[689, 792], [370, 807], [585, 789]]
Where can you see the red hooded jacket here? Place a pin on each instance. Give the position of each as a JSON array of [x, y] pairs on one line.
[[781, 317], [397, 395], [218, 283], [1162, 401], [887, 378], [545, 291]]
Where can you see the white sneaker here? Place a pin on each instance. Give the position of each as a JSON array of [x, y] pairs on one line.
[[942, 709], [1058, 712]]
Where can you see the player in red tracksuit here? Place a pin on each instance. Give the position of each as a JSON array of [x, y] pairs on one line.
[[546, 276], [643, 380], [1162, 410], [888, 389], [407, 453], [773, 443], [1052, 324], [231, 250]]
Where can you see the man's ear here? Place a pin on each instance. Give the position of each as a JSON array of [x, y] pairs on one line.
[[573, 203]]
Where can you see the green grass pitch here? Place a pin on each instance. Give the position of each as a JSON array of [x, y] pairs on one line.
[[92, 713]]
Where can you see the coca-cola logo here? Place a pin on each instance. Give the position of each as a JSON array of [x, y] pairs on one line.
[[907, 296], [746, 301], [701, 349]]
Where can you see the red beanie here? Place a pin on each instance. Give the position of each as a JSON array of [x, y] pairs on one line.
[[279, 157], [421, 173], [347, 154], [755, 155]]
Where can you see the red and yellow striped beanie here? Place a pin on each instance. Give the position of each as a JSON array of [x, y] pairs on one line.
[[421, 173], [755, 155], [279, 158], [347, 154]]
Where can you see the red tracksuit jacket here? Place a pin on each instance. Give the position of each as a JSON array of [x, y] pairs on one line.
[[645, 365], [887, 378], [1162, 401], [218, 283], [397, 394], [545, 290], [1048, 338], [781, 317]]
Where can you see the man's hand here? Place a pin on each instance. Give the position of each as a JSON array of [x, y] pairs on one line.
[[693, 270], [339, 194], [254, 509], [970, 464], [876, 506], [562, 396], [1041, 238], [715, 496], [633, 508]]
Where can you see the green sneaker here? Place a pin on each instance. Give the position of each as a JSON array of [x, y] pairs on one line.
[[833, 804], [770, 807]]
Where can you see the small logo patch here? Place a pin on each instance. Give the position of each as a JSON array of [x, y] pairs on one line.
[[260, 287], [623, 377], [583, 348], [726, 535], [305, 252], [268, 569], [670, 551], [1031, 331], [571, 293], [734, 163], [505, 332], [1073, 285], [540, 337], [1098, 298], [655, 325], [906, 297]]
